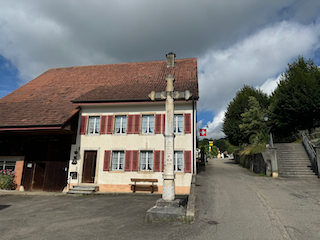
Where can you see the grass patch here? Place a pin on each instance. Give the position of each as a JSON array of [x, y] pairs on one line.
[[253, 149], [299, 140]]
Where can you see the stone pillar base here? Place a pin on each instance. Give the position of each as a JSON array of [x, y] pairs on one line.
[[166, 210]]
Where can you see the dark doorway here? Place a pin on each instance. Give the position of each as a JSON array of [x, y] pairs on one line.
[[38, 176], [46, 162], [28, 175], [89, 166]]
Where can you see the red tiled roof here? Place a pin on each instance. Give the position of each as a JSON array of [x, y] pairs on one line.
[[47, 100]]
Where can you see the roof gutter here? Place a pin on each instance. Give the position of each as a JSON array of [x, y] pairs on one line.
[[119, 101]]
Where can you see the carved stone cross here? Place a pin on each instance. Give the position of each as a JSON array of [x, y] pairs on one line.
[[168, 193]]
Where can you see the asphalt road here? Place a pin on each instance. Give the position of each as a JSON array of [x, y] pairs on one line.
[[232, 203]]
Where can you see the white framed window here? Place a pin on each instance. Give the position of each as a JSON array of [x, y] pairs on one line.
[[94, 125], [146, 161], [6, 165], [178, 161], [147, 124], [118, 160], [178, 123], [121, 124]]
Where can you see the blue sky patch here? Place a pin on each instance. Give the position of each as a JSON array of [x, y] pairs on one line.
[[8, 77]]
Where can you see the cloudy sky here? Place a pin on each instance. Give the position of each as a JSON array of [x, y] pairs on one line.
[[236, 42]]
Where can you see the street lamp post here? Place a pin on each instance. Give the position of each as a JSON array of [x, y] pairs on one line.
[[266, 120]]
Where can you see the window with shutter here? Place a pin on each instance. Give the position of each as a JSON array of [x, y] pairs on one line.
[[94, 125], [187, 123], [178, 161], [187, 161], [121, 124], [147, 124], [106, 164], [83, 125], [146, 161], [103, 125], [118, 160], [178, 123]]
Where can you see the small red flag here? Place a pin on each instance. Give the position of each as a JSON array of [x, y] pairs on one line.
[[203, 132]]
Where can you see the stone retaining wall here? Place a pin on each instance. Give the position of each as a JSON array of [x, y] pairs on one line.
[[253, 162]]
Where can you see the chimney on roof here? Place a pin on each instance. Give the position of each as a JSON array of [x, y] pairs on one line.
[[170, 59]]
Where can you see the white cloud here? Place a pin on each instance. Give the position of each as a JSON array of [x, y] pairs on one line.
[[270, 85], [36, 35], [214, 127], [257, 61], [253, 61]]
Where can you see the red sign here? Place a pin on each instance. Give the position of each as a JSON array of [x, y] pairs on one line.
[[203, 132]]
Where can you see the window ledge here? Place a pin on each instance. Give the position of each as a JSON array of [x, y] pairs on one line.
[[146, 171]]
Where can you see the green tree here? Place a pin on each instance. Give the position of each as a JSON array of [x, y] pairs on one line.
[[236, 107], [252, 121], [295, 104]]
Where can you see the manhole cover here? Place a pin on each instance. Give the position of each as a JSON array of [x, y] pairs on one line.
[[213, 222]]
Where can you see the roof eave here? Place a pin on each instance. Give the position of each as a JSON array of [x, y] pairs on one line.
[[30, 128], [77, 102]]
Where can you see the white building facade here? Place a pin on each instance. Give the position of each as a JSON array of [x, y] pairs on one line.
[[117, 142]]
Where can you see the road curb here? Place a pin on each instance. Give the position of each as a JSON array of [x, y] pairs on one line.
[[192, 199]]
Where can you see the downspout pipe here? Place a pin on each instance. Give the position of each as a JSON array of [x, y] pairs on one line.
[[193, 134]]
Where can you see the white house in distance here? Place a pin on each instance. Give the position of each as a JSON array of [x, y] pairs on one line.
[[121, 131]]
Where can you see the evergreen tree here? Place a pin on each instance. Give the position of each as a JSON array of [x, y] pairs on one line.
[[236, 107], [252, 125], [295, 104]]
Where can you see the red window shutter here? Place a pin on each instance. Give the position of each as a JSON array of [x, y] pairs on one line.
[[157, 124], [106, 164], [130, 124], [83, 125], [135, 161], [127, 164], [103, 125], [156, 163], [187, 123], [136, 124], [187, 161], [110, 124], [163, 123], [162, 161]]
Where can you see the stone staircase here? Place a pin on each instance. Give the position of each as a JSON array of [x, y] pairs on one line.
[[293, 160], [83, 189]]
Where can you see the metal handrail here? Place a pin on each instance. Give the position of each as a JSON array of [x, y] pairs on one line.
[[309, 147]]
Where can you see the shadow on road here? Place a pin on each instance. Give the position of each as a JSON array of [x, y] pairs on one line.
[[4, 206], [230, 162]]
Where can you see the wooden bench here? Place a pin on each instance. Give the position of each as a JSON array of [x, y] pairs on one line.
[[143, 187]]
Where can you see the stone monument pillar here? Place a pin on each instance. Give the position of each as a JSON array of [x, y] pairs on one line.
[[168, 207], [168, 193]]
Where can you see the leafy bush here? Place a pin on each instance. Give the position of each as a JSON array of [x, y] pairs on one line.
[[7, 179]]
